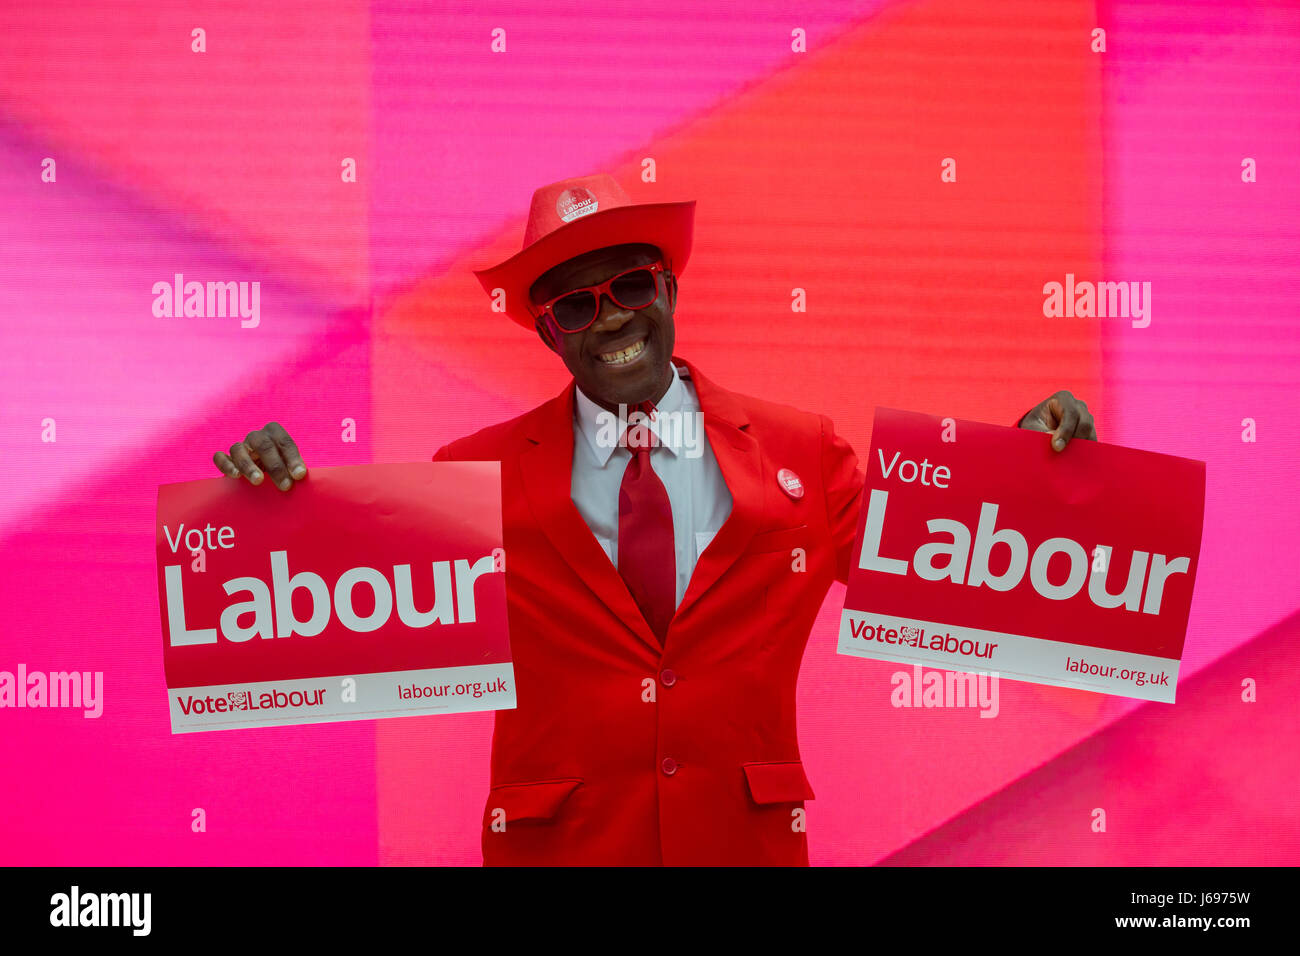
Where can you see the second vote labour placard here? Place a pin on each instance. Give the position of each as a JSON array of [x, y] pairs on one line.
[[364, 592], [981, 549]]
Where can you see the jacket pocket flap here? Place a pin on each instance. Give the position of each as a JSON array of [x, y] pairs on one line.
[[539, 800], [778, 782]]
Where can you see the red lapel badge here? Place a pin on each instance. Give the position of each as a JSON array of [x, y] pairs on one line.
[[790, 483]]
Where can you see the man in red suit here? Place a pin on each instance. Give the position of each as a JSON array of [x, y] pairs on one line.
[[668, 545]]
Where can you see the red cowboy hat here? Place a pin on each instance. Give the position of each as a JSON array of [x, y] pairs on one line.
[[578, 215]]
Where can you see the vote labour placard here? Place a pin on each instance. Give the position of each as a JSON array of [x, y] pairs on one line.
[[981, 549], [363, 592]]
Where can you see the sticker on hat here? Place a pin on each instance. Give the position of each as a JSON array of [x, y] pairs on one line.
[[790, 483], [576, 202]]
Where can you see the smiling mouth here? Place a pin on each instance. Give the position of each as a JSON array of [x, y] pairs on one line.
[[624, 356]]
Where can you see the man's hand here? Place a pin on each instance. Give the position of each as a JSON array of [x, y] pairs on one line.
[[273, 447], [1064, 416]]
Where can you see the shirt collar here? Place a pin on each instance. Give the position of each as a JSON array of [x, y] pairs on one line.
[[602, 427]]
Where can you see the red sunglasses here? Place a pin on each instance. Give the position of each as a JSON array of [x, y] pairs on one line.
[[633, 289]]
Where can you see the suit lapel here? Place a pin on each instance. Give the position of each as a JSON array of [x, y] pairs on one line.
[[740, 460], [548, 483]]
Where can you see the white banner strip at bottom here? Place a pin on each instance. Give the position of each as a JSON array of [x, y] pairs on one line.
[[1033, 659], [317, 700]]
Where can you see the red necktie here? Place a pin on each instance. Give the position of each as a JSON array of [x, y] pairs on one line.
[[646, 557]]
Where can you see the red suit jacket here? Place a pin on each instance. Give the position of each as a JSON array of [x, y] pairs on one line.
[[621, 751]]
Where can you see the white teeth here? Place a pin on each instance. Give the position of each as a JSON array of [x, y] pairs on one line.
[[625, 356]]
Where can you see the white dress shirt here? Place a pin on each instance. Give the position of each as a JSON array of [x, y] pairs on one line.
[[684, 462]]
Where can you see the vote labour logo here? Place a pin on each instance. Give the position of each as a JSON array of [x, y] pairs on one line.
[[790, 483], [575, 203], [271, 699]]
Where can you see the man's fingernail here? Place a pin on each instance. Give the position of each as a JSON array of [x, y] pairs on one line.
[[1059, 443], [257, 476], [284, 485], [299, 471]]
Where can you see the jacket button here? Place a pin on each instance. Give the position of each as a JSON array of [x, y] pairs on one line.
[[669, 766], [667, 677]]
